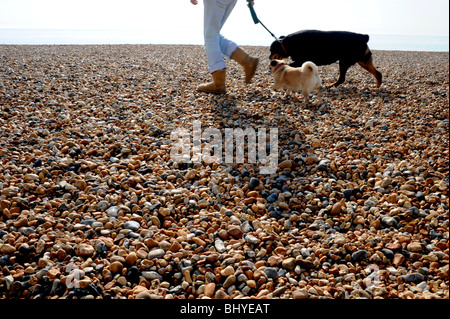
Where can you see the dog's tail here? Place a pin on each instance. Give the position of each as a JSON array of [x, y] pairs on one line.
[[310, 66]]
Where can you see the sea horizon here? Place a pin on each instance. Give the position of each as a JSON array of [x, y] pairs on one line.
[[10, 36]]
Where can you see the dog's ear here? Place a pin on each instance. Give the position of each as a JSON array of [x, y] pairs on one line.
[[274, 63]]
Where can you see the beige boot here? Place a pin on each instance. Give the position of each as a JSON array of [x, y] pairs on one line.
[[249, 63], [217, 86]]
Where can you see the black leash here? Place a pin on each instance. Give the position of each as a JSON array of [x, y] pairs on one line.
[[256, 20]]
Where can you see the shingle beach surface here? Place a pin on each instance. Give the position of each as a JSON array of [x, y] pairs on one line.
[[93, 206]]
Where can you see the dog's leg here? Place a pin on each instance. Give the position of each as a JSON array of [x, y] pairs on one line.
[[343, 68], [306, 100], [306, 94], [319, 89], [286, 95], [368, 66]]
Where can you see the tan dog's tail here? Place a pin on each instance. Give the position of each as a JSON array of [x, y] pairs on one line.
[[310, 66]]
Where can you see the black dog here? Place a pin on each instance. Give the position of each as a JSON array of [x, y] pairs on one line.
[[327, 47]]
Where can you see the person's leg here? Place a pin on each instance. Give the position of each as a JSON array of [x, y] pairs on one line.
[[216, 13], [249, 63], [231, 50], [217, 46], [227, 46]]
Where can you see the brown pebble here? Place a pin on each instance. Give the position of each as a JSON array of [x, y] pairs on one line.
[[210, 289], [131, 259], [84, 283], [116, 267], [289, 264], [398, 259], [235, 231], [7, 213], [85, 250], [300, 294], [228, 271], [336, 210], [229, 281], [285, 165], [223, 234], [23, 221], [175, 247], [212, 258], [415, 247], [199, 241], [7, 249], [144, 295], [220, 294]]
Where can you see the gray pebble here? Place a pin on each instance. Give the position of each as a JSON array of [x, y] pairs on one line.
[[133, 225]]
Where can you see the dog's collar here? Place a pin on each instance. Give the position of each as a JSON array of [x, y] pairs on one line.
[[278, 67], [284, 49]]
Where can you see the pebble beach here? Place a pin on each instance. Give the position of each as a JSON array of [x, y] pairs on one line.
[[93, 206]]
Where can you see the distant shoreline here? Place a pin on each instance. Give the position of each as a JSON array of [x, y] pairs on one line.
[[426, 43], [182, 45]]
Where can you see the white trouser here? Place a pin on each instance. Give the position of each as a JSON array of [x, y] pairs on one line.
[[216, 45]]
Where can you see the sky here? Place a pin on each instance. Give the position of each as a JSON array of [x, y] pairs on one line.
[[178, 21]]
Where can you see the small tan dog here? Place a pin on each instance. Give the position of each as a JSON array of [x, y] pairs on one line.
[[305, 79]]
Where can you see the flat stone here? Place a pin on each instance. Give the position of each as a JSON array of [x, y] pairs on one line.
[[85, 250], [103, 205], [156, 253], [251, 239], [336, 210], [151, 275], [323, 165], [219, 245], [285, 165], [360, 255], [390, 221], [271, 273], [133, 225], [289, 264], [386, 182], [413, 278], [190, 175], [112, 211], [272, 198], [33, 177], [229, 281], [7, 249], [84, 283], [301, 293], [144, 295], [254, 182], [398, 259], [220, 294], [415, 247], [236, 232], [175, 247], [210, 289], [131, 259], [228, 271]]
